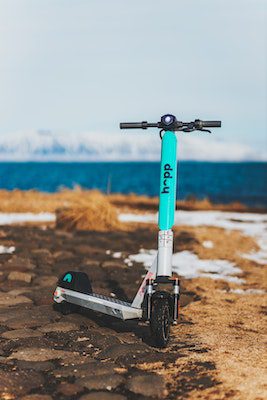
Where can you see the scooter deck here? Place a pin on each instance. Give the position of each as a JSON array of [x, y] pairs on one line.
[[100, 303]]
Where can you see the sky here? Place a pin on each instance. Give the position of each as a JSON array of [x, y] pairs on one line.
[[77, 66]]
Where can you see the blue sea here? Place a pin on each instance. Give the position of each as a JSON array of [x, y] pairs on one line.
[[221, 182]]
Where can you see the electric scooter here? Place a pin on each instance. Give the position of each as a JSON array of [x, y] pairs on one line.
[[157, 299]]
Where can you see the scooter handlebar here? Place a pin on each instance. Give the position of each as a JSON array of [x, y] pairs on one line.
[[169, 122], [211, 124], [130, 125], [140, 125]]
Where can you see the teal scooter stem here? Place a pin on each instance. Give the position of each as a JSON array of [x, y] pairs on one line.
[[168, 172], [167, 201]]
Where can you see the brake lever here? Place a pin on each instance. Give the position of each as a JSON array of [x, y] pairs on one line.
[[188, 130], [194, 129], [204, 130]]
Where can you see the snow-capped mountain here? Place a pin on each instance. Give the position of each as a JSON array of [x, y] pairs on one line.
[[129, 146], [46, 145]]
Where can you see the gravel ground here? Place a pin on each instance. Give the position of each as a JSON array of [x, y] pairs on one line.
[[45, 355]]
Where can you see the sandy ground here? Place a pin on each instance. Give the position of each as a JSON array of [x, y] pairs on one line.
[[216, 351]]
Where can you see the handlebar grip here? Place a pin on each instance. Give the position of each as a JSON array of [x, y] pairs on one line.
[[132, 125], [211, 124]]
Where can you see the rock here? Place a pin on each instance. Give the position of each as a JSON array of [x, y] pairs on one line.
[[42, 252], [148, 384], [92, 264], [28, 316], [59, 327], [9, 300], [20, 334], [8, 313], [69, 389], [3, 318], [20, 276], [75, 359], [62, 255], [102, 396], [27, 322], [46, 281], [39, 354], [37, 397], [101, 382], [19, 263], [47, 311], [104, 369], [89, 369], [78, 372], [42, 296], [86, 250], [63, 234], [18, 292], [118, 350], [35, 365], [18, 383], [114, 264]]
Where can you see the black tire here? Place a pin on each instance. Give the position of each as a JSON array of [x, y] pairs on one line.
[[65, 308], [160, 322]]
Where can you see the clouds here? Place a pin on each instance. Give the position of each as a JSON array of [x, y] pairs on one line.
[[51, 146], [79, 65]]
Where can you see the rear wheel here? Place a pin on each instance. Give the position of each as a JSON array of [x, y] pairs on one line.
[[73, 280], [160, 321], [65, 308]]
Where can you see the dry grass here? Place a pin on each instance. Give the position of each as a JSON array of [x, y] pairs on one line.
[[145, 203], [96, 213], [34, 201]]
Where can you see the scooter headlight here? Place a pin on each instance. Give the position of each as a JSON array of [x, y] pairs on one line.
[[168, 120]]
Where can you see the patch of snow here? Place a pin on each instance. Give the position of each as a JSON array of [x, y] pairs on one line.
[[143, 218], [246, 291], [13, 218], [7, 250], [144, 257], [128, 262], [117, 254], [208, 244], [250, 224], [189, 265], [260, 257], [108, 251], [82, 339]]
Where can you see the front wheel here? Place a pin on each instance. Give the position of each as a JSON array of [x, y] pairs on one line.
[[160, 321]]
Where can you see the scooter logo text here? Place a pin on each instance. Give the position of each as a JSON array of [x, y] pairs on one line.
[[167, 175]]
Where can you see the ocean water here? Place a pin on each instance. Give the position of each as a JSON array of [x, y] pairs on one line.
[[221, 182]]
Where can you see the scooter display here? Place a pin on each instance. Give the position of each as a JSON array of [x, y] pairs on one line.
[[157, 299]]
